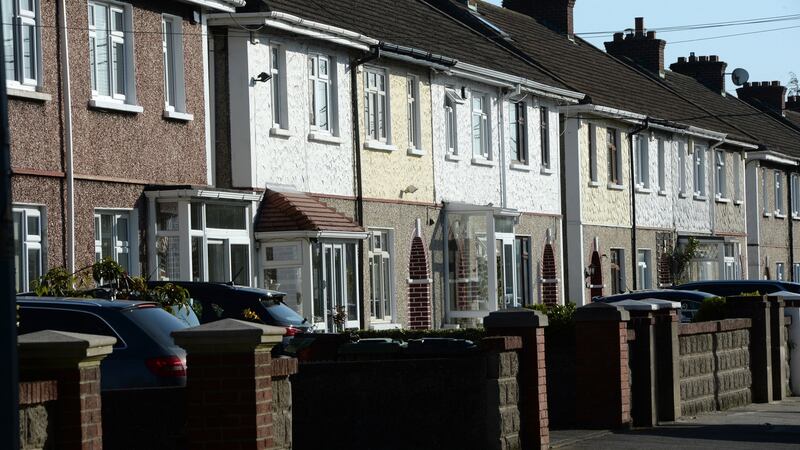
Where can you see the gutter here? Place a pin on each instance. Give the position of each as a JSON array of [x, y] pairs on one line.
[[220, 5], [68, 141], [771, 156]]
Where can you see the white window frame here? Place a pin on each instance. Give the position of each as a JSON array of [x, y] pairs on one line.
[[642, 145], [450, 109], [329, 80], [413, 113], [614, 170], [593, 176], [644, 280], [518, 126], [720, 178], [376, 105], [699, 170], [544, 138], [386, 254], [779, 192], [794, 185], [737, 177], [732, 267], [780, 271], [662, 166], [621, 269], [31, 242], [484, 150], [119, 246], [21, 19], [682, 168], [124, 37], [277, 68], [764, 192], [301, 250], [174, 79], [796, 272]]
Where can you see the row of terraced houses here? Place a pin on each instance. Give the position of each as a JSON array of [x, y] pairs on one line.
[[406, 163]]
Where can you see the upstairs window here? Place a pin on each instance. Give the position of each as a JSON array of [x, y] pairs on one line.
[[319, 79], [613, 150], [412, 102], [795, 191], [276, 69], [21, 39], [682, 167], [109, 48], [375, 104], [779, 193], [544, 130], [720, 174], [480, 125], [450, 126], [174, 82], [593, 153], [662, 177], [640, 143], [517, 130], [699, 170], [737, 177]]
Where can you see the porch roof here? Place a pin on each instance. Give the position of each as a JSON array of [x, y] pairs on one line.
[[298, 211]]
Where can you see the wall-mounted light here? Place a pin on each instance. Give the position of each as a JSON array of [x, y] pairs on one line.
[[263, 77], [410, 189]]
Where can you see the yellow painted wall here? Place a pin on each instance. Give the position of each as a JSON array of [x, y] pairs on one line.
[[601, 204]]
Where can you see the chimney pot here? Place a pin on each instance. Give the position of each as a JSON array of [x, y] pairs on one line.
[[704, 59], [756, 84], [640, 26], [692, 57], [647, 52], [713, 58], [618, 37], [776, 83], [651, 35], [682, 60]]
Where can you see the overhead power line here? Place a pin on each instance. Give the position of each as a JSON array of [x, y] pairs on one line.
[[735, 34], [701, 26]]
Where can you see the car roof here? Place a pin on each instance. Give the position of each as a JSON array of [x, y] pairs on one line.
[[735, 282], [663, 293], [223, 287], [83, 303]]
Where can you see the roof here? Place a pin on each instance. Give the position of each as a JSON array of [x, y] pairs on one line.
[[412, 23], [82, 302], [298, 211], [792, 116], [606, 80]]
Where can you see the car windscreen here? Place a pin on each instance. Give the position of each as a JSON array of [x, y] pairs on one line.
[[282, 313], [157, 323]]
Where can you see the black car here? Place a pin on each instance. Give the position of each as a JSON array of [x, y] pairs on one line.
[[690, 300], [730, 288], [144, 356], [224, 300]]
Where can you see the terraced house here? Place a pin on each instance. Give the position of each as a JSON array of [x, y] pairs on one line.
[[107, 102], [409, 203]]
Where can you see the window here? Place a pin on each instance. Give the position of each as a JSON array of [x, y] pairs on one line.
[[641, 144], [737, 177], [319, 79], [592, 153], [21, 36], [780, 274], [28, 240], [283, 272], [644, 279], [796, 272], [682, 167], [662, 177], [480, 125], [375, 104], [174, 84], [614, 168], [450, 126], [522, 258], [795, 191], [699, 170], [279, 119], [380, 275], [544, 132], [733, 268], [617, 271], [778, 193], [518, 131], [112, 237], [109, 49], [335, 276], [412, 100], [764, 192], [720, 178]]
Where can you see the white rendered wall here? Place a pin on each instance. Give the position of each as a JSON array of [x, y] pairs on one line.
[[260, 156], [692, 215], [654, 208]]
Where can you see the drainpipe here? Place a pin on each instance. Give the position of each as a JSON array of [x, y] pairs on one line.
[[70, 175], [632, 182], [374, 53]]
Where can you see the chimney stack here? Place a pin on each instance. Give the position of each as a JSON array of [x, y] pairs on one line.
[[708, 70], [555, 14], [793, 103], [641, 47], [765, 96]]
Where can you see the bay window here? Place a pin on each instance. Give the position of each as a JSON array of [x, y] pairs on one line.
[[283, 272], [22, 42], [112, 237], [29, 232]]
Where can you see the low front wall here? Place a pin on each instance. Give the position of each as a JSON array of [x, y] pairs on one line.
[[137, 419], [37, 402], [715, 372]]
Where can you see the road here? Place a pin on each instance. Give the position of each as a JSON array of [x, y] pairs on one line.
[[768, 426]]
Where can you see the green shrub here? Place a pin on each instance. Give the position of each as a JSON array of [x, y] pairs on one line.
[[560, 318], [711, 309]]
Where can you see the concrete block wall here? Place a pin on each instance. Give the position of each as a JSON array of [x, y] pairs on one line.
[[715, 369]]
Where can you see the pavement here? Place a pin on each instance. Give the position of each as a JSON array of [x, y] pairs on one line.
[[774, 425]]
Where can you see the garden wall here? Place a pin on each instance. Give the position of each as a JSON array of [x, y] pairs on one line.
[[37, 402], [715, 371]]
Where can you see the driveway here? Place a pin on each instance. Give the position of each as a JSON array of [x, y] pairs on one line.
[[775, 425]]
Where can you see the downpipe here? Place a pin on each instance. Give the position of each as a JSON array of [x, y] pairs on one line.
[[68, 141]]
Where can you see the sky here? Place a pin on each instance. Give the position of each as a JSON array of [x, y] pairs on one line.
[[766, 56]]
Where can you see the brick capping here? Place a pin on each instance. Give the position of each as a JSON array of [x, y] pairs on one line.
[[714, 326], [33, 392]]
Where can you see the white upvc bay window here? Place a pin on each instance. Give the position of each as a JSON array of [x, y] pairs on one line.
[[21, 38], [320, 74], [375, 104]]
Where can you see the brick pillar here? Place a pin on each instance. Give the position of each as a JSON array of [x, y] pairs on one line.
[[642, 356], [228, 386], [529, 325], [73, 361], [603, 388], [419, 287], [758, 310], [549, 276], [778, 353], [668, 365]]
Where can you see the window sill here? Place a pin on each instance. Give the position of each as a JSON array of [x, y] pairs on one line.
[[779, 215], [615, 187], [379, 146], [795, 217], [109, 105], [411, 151], [738, 202], [521, 167], [662, 192], [452, 157], [280, 132], [594, 184], [180, 116], [546, 171], [699, 198], [383, 325], [766, 214], [324, 138], [682, 195], [28, 94], [722, 200], [643, 190], [483, 162]]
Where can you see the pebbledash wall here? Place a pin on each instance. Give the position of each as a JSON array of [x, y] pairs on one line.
[[115, 153]]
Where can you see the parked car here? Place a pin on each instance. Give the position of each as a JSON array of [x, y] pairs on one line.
[[690, 300], [224, 300], [144, 356], [184, 314], [729, 288]]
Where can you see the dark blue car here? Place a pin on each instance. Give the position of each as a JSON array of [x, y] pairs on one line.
[[690, 300], [144, 355], [730, 288]]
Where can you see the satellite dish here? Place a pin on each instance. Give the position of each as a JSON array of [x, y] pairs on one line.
[[740, 77]]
